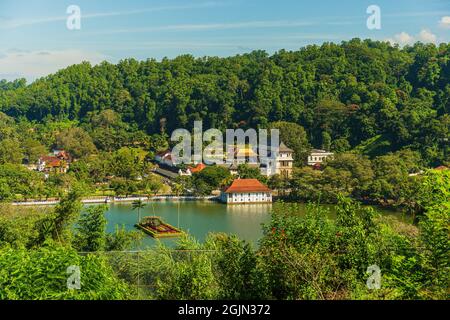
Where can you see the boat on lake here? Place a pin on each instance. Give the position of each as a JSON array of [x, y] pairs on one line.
[[157, 228]]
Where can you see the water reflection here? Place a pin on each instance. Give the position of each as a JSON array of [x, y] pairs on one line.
[[249, 209], [199, 218]]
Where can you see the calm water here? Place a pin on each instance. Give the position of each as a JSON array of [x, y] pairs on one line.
[[198, 218]]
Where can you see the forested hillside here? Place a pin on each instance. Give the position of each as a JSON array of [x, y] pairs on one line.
[[359, 94]]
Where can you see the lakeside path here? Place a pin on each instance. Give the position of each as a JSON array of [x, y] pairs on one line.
[[117, 200]]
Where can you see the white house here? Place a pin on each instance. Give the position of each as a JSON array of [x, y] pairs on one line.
[[318, 156], [281, 163], [244, 191]]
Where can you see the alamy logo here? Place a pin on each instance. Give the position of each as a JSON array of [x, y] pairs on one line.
[[74, 279], [374, 280], [74, 18], [374, 20]]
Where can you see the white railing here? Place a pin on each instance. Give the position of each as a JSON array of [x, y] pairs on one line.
[[116, 199]]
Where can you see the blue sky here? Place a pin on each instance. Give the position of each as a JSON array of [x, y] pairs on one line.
[[35, 41]]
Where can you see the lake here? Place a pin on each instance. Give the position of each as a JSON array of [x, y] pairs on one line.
[[200, 218]]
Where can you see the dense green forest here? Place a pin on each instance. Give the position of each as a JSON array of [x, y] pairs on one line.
[[358, 94]]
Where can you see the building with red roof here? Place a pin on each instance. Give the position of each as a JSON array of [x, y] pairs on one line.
[[56, 163], [246, 191], [197, 168]]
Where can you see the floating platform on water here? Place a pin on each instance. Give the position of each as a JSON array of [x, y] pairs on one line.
[[157, 228]]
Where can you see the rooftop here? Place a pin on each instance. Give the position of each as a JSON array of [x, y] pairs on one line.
[[166, 173], [320, 151], [284, 148], [247, 185], [48, 158], [197, 168], [163, 153]]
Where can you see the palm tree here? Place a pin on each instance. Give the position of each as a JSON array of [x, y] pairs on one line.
[[138, 204]]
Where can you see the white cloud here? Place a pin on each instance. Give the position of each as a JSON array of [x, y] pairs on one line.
[[427, 36], [402, 39], [32, 65], [445, 22]]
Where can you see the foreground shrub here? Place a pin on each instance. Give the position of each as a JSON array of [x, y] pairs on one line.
[[43, 274]]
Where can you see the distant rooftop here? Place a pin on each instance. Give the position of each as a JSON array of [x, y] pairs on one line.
[[319, 151], [281, 148], [197, 168], [166, 173], [284, 148], [247, 185], [163, 153]]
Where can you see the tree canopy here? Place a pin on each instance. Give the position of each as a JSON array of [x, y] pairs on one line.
[[342, 95]]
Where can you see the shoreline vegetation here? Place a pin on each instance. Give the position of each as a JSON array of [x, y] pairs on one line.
[[173, 198]]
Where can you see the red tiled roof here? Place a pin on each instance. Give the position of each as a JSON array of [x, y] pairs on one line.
[[197, 168], [440, 168], [54, 163], [51, 161], [247, 185], [48, 158]]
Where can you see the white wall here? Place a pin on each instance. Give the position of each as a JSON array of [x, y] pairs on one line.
[[252, 197]]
